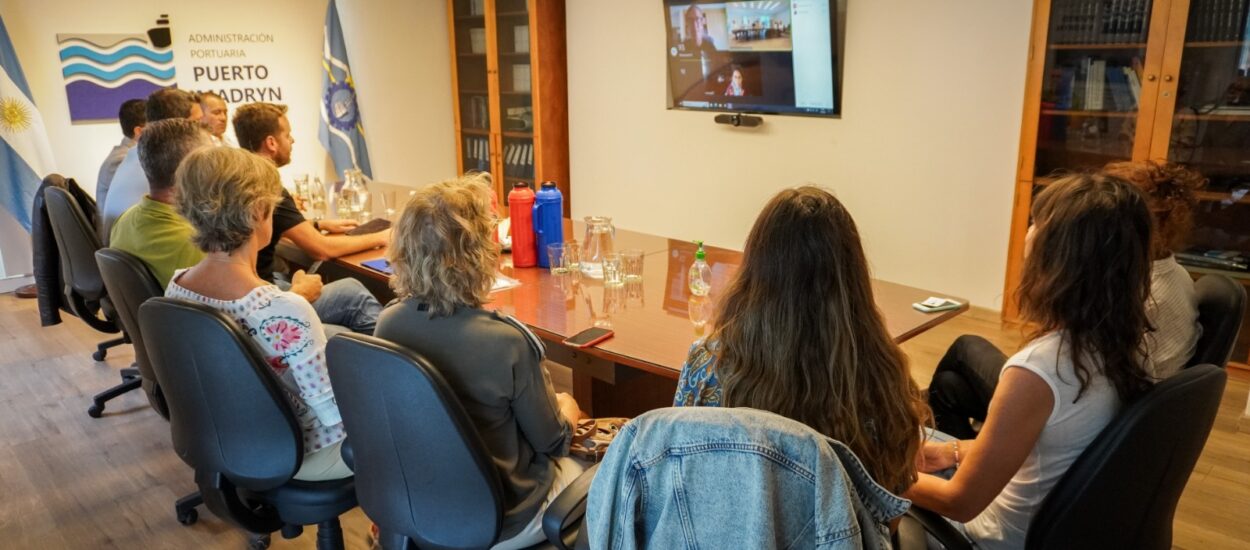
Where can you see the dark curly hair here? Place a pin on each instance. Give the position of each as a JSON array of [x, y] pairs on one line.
[[1171, 192]]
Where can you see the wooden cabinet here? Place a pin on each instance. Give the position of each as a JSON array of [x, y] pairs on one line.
[[511, 91], [1116, 80]]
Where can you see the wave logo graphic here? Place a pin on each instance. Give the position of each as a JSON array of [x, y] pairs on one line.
[[102, 71]]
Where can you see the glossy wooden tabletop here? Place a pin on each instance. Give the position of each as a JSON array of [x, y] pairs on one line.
[[657, 319]]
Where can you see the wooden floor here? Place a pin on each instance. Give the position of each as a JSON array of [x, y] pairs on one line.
[[70, 481]]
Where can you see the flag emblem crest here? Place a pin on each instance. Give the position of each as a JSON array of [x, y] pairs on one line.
[[14, 116], [341, 106]]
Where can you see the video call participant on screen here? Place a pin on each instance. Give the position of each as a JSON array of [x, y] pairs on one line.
[[735, 83], [215, 114], [132, 118], [152, 230], [262, 128], [129, 184]]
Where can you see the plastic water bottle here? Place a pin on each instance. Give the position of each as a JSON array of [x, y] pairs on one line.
[[548, 219], [520, 206], [700, 273]]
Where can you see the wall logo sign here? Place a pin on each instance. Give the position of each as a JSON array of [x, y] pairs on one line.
[[102, 71]]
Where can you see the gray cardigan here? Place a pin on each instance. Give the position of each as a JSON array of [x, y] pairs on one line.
[[494, 364]]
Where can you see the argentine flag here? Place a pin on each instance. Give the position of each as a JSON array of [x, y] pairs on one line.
[[340, 130], [25, 156]]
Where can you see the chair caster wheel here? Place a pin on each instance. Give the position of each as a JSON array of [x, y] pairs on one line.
[[258, 542], [96, 411], [189, 517], [99, 354]]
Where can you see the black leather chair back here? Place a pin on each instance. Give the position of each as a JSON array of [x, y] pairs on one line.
[[1122, 491], [1221, 308], [76, 242], [421, 468], [228, 414], [130, 283]]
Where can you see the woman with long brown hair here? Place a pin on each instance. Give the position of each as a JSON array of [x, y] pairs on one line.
[[1084, 287], [798, 334]]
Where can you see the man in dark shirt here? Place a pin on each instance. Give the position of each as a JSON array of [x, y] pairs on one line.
[[262, 128]]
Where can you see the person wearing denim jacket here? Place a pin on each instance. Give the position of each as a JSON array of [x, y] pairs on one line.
[[704, 477]]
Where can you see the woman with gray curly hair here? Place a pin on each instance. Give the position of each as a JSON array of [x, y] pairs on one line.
[[445, 261], [229, 195]]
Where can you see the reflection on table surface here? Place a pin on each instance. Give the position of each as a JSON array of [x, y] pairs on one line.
[[656, 319]]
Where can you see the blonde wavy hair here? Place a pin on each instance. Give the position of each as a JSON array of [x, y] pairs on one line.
[[222, 191], [442, 251]]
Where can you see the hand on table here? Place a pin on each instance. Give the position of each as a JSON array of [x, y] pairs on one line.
[[308, 286], [337, 226]]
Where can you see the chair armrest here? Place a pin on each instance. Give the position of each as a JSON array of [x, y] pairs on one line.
[[910, 535], [568, 509], [938, 527], [349, 456]]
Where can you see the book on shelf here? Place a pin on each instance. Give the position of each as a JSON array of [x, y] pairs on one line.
[[1215, 259], [1121, 97], [477, 40], [1134, 84], [477, 7], [1218, 20], [521, 39], [521, 77], [1099, 21], [1226, 110]]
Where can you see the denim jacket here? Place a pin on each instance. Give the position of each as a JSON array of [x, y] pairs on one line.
[[707, 477]]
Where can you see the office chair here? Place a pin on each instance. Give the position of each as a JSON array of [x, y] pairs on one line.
[[1221, 308], [422, 472], [130, 283], [76, 243], [1123, 490], [232, 423]]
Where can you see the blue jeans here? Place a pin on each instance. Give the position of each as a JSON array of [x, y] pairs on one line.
[[346, 303]]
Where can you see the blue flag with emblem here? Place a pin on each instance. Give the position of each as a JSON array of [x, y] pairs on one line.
[[341, 131], [25, 156]]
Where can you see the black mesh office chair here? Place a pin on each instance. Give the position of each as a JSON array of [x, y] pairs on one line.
[[1221, 308], [422, 472], [76, 242], [1122, 491], [130, 283], [232, 423]]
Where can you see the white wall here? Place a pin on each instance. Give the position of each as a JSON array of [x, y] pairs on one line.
[[924, 155], [401, 57]]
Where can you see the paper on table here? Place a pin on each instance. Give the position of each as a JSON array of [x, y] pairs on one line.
[[503, 282]]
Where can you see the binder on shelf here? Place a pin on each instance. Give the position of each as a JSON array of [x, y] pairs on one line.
[[477, 40], [521, 77], [477, 7]]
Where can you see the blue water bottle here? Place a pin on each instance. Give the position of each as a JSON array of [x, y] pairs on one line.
[[548, 219]]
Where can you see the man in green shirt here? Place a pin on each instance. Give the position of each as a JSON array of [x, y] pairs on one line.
[[152, 230]]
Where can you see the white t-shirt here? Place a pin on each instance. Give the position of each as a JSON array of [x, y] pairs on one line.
[[1072, 426], [128, 187], [1173, 310]]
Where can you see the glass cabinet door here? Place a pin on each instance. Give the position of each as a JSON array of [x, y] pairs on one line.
[[1208, 130], [516, 85], [472, 83], [1096, 57]]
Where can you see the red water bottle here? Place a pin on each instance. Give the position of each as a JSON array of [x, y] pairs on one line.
[[520, 204]]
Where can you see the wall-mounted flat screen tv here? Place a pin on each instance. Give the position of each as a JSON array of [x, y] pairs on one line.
[[761, 56]]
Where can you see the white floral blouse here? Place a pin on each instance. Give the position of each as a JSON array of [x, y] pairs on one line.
[[288, 332]]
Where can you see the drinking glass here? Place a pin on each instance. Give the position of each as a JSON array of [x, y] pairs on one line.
[[555, 258], [572, 256], [631, 264], [612, 276]]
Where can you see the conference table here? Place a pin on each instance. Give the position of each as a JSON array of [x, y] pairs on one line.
[[655, 320]]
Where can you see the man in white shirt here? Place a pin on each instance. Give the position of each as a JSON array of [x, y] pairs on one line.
[[129, 184], [215, 116], [132, 118]]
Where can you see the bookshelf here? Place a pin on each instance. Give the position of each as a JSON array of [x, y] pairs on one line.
[[1112, 80], [511, 91]]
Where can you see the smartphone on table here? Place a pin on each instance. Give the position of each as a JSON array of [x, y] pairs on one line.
[[588, 337]]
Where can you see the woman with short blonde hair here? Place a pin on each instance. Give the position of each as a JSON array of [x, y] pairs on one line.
[[442, 250], [445, 259], [229, 195]]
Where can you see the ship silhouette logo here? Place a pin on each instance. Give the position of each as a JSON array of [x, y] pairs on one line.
[[102, 71]]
